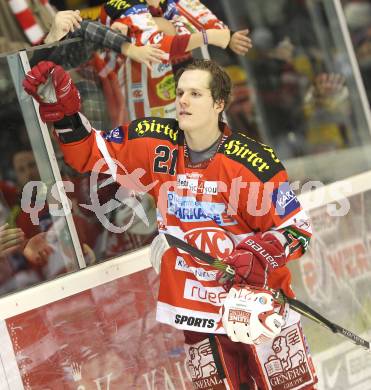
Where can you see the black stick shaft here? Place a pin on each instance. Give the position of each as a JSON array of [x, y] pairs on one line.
[[295, 304], [308, 312]]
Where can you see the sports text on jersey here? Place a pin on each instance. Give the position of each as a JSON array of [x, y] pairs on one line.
[[194, 321], [154, 127]]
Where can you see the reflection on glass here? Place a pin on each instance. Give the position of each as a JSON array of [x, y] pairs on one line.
[[358, 17], [295, 90], [334, 278], [103, 234], [104, 338], [35, 245]]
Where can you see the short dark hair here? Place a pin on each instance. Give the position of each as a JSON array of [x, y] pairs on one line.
[[220, 83]]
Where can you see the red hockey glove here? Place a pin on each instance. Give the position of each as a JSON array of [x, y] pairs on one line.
[[254, 258], [53, 88]]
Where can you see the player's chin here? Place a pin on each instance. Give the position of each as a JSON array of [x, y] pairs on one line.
[[184, 122]]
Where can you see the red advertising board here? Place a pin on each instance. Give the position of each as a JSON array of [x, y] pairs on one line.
[[104, 338]]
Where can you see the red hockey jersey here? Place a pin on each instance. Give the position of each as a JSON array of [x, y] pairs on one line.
[[243, 190]]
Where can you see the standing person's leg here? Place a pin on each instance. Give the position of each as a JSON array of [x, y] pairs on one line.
[[215, 362], [282, 363]]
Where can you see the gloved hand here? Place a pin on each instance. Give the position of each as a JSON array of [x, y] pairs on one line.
[[159, 246], [251, 316], [254, 258], [53, 88]]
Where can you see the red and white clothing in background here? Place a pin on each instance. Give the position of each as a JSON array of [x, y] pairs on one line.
[[152, 92], [27, 18]]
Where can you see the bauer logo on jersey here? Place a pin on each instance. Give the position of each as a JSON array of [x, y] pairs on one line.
[[285, 200], [116, 135]]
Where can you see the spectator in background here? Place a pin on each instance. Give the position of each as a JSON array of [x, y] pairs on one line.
[[303, 108], [175, 25], [11, 240], [96, 81], [358, 17], [241, 111], [98, 90], [24, 23], [279, 90], [326, 109], [15, 271], [26, 170], [43, 249]]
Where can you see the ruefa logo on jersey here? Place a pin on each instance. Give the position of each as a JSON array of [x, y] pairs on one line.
[[195, 291], [157, 127], [285, 200], [188, 209], [116, 135], [214, 241]]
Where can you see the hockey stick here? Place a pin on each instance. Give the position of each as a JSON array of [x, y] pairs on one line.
[[279, 296]]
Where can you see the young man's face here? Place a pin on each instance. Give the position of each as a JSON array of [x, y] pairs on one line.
[[195, 107]]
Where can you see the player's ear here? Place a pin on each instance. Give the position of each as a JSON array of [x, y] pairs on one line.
[[219, 105]]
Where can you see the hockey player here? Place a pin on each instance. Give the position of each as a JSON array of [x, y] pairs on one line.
[[222, 192]]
